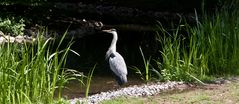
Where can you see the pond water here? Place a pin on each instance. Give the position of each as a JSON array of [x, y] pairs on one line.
[[92, 51], [98, 84]]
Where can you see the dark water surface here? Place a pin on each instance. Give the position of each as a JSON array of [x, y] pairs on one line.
[[92, 51]]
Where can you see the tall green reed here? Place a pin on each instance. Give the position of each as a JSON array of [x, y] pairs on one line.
[[144, 74], [220, 37], [89, 77], [30, 73], [217, 34], [148, 72], [177, 57], [209, 48]]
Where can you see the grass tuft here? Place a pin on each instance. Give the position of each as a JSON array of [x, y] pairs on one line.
[[31, 73], [194, 53]]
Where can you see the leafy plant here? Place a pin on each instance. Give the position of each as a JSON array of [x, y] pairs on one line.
[[12, 26]]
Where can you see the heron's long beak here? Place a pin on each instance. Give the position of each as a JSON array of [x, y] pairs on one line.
[[106, 31]]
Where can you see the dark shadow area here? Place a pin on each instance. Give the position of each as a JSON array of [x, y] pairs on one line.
[[92, 50]]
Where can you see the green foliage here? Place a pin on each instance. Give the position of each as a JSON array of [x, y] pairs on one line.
[[209, 48], [219, 36], [12, 26], [146, 65], [147, 71], [89, 80], [31, 73], [179, 59]]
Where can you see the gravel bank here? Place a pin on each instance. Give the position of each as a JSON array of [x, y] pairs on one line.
[[147, 90], [134, 91]]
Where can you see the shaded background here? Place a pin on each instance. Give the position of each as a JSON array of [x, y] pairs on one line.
[[135, 20]]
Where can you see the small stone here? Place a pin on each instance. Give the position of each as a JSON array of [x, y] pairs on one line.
[[135, 91], [2, 40], [19, 39]]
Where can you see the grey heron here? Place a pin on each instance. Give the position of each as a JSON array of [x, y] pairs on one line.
[[116, 61]]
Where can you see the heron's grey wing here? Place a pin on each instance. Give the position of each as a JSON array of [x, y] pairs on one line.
[[117, 65]]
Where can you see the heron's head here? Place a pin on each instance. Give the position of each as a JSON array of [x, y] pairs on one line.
[[110, 31]]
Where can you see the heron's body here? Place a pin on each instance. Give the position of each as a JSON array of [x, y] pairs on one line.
[[118, 66], [116, 61]]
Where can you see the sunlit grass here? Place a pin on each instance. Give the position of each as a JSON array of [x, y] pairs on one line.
[[31, 73], [209, 48]]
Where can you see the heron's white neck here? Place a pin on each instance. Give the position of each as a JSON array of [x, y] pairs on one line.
[[112, 48], [113, 43]]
